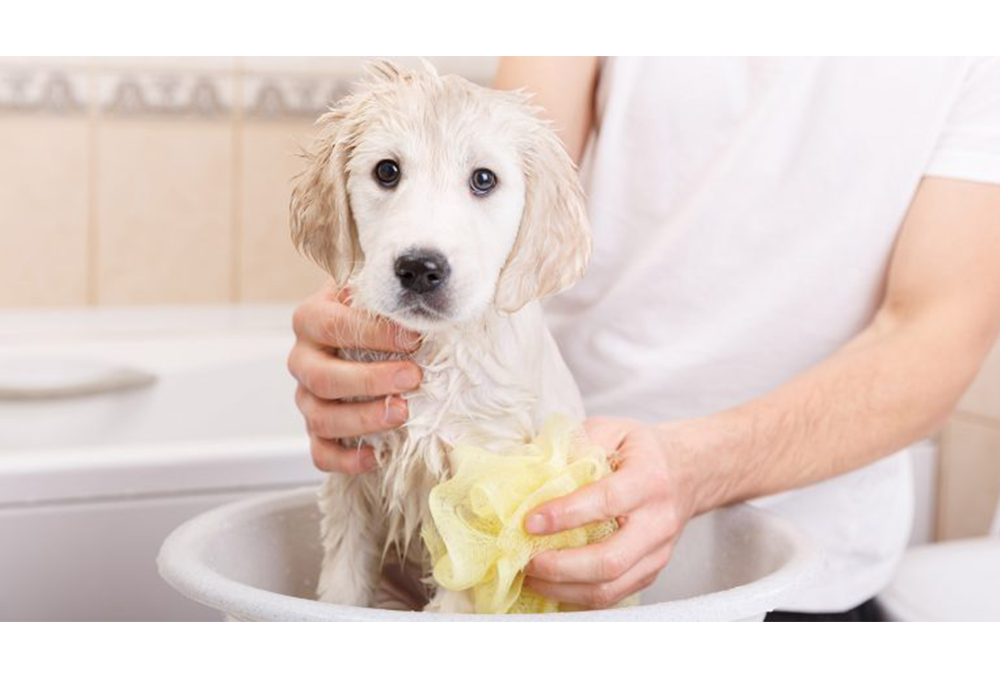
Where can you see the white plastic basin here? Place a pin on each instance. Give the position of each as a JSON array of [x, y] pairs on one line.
[[258, 559]]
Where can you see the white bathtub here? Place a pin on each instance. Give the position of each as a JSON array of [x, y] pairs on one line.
[[91, 484]]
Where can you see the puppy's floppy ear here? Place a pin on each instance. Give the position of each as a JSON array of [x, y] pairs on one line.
[[553, 242], [322, 224]]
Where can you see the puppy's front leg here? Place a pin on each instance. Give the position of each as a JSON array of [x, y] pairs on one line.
[[351, 546]]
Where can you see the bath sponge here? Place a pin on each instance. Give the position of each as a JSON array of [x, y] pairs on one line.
[[476, 537]]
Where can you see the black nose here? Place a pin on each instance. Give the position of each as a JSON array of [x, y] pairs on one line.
[[422, 271]]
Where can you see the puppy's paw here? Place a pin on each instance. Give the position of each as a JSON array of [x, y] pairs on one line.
[[451, 602]]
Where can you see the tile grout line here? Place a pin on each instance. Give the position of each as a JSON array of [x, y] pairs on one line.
[[93, 227], [236, 186], [941, 489]]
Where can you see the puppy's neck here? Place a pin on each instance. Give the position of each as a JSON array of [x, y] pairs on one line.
[[480, 379]]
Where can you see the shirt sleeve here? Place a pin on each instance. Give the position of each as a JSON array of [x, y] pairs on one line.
[[969, 146]]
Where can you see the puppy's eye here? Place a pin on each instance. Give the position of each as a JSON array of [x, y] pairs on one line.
[[387, 173], [482, 181]]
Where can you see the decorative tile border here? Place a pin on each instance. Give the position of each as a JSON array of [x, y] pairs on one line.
[[277, 96], [131, 94], [24, 90], [151, 90], [185, 94]]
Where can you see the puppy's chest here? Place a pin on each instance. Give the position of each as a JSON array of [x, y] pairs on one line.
[[464, 398]]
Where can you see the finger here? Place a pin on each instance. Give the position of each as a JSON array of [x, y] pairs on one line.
[[332, 456], [334, 324], [331, 378], [328, 419], [604, 561], [612, 496], [608, 593]]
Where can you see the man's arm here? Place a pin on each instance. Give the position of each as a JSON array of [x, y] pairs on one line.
[[563, 86], [898, 380], [893, 384]]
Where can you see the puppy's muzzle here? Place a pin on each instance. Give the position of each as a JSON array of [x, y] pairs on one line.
[[422, 271]]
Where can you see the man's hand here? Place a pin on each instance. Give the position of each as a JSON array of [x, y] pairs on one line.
[[651, 495], [328, 385]]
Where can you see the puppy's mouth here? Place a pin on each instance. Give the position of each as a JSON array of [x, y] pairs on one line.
[[423, 309]]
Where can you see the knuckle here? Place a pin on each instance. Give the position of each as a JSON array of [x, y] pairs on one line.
[[544, 567], [602, 596], [610, 501], [292, 362], [309, 380], [369, 379], [335, 458], [318, 425], [321, 457], [556, 515], [299, 318], [612, 564], [301, 399], [671, 519], [371, 415], [317, 381]]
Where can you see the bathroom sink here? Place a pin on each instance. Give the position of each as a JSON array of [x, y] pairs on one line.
[[258, 559]]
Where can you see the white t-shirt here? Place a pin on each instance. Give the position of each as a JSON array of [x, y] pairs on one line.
[[744, 212]]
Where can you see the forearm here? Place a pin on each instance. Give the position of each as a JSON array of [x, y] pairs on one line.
[[892, 385]]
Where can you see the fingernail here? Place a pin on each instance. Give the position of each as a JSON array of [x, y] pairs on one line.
[[407, 379], [369, 462], [535, 524], [395, 411]]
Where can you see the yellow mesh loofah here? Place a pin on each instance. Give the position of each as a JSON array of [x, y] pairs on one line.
[[476, 538]]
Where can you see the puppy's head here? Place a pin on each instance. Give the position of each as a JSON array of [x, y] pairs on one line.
[[436, 199]]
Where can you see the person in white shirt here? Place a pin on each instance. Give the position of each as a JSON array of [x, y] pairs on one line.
[[796, 274]]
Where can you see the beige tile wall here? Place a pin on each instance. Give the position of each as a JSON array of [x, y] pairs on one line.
[[44, 184], [269, 268], [165, 209], [178, 194]]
